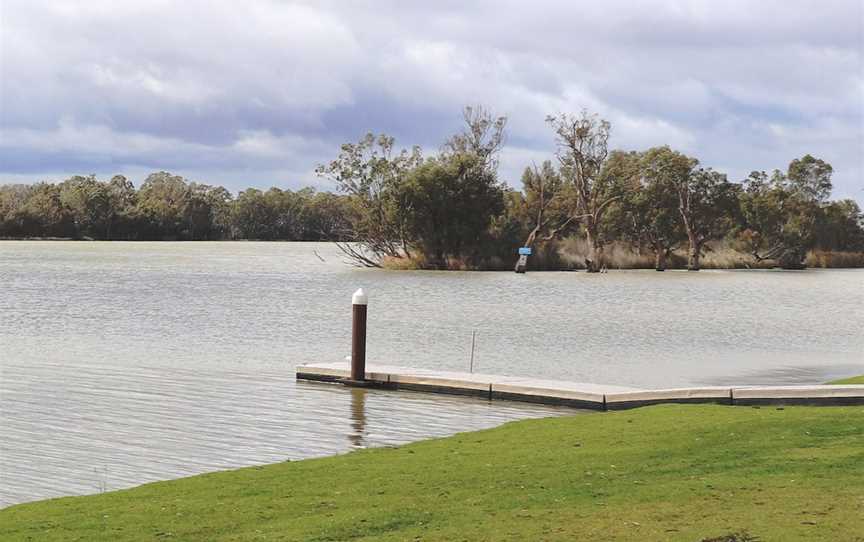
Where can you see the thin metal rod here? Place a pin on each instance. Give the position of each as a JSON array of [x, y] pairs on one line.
[[473, 338]]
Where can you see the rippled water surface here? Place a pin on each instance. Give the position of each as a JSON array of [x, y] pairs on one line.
[[122, 363]]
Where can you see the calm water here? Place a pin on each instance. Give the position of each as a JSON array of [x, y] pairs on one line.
[[122, 363]]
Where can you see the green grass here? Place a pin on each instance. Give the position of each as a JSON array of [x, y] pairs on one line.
[[852, 380], [670, 472]]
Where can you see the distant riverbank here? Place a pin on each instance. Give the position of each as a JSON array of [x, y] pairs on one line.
[[569, 257]]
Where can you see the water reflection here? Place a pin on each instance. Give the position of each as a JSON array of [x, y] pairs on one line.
[[70, 429], [356, 437], [787, 375]]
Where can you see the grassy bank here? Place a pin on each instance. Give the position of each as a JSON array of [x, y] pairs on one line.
[[852, 380], [672, 472]]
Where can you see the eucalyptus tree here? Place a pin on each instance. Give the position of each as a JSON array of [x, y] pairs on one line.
[[290, 213], [780, 211], [809, 178], [707, 202], [647, 214], [482, 135], [582, 142], [163, 206], [252, 215], [658, 216], [371, 172], [89, 201], [547, 203], [13, 198], [451, 201], [840, 226], [326, 216], [100, 210], [45, 215], [122, 199], [208, 212]]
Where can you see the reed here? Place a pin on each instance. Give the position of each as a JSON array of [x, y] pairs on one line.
[[402, 264], [828, 259], [569, 254]]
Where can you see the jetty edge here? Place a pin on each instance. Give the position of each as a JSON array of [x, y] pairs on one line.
[[576, 394]]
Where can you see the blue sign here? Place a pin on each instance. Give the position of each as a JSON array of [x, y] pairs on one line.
[[524, 251]]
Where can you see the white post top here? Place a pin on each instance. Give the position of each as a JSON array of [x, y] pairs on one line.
[[359, 298]]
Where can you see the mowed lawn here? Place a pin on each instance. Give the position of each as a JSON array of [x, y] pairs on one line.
[[670, 472], [853, 380]]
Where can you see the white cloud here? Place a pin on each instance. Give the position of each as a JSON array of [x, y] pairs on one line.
[[70, 136], [269, 88]]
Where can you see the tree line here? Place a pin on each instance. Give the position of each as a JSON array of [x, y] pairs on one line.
[[168, 207], [451, 210]]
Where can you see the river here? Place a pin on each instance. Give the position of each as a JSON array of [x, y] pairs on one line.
[[123, 363]]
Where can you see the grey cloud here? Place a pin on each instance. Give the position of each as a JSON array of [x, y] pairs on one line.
[[259, 94]]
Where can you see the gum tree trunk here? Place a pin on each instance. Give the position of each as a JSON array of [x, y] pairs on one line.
[[660, 259], [693, 254], [794, 258], [595, 251]]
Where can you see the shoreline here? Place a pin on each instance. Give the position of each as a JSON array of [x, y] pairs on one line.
[[815, 260], [655, 473]]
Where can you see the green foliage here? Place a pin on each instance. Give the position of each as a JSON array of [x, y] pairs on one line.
[[858, 380], [708, 203], [441, 207], [482, 138], [784, 213], [162, 204], [839, 226], [275, 214], [670, 472], [373, 175], [171, 207], [809, 178], [90, 204], [545, 193], [452, 211], [43, 210], [451, 202], [648, 213], [168, 207], [548, 205], [283, 214], [582, 142]]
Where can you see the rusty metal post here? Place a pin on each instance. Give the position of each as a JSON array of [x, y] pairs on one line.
[[359, 302]]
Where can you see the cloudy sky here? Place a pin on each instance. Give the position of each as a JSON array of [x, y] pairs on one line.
[[257, 93]]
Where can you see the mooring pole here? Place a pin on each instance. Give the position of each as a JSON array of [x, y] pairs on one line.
[[522, 264], [359, 302]]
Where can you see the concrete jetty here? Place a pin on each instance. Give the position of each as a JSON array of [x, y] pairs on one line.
[[577, 394]]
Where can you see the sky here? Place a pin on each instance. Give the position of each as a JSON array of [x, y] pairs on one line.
[[256, 94]]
